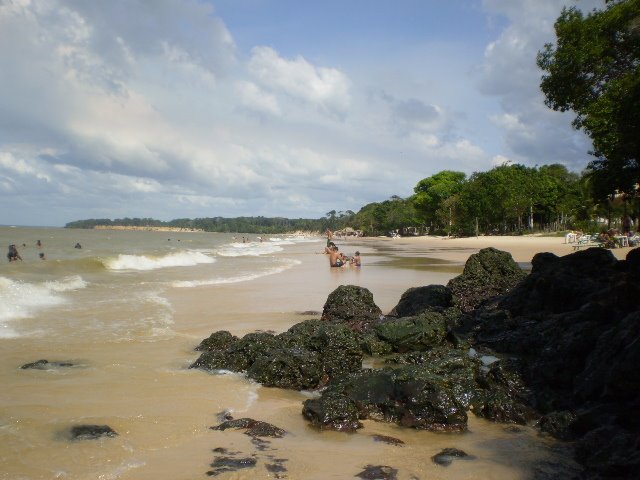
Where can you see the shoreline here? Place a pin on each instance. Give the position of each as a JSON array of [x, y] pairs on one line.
[[522, 248]]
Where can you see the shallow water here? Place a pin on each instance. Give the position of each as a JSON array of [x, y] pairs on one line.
[[128, 308]]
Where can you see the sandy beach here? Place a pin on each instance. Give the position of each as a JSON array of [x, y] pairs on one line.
[[522, 248]]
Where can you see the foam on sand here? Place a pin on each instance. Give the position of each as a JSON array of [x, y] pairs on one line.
[[236, 279], [23, 299]]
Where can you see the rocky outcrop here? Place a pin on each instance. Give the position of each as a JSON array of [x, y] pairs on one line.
[[433, 394], [418, 300], [488, 273], [574, 323], [351, 305], [304, 357]]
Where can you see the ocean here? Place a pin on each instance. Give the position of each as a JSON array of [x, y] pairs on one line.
[[126, 311]]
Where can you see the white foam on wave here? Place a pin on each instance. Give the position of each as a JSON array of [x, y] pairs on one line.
[[186, 258], [23, 299], [295, 239], [237, 279], [249, 249]]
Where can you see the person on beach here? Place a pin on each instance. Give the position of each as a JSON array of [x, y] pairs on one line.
[[329, 237], [334, 258], [41, 255], [355, 260], [78, 245], [39, 244]]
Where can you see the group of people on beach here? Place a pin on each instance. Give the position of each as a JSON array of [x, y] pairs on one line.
[[337, 258]]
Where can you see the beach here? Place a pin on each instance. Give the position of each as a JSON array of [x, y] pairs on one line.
[[129, 315], [522, 248]]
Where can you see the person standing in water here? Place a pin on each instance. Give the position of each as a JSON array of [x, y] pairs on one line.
[[12, 254]]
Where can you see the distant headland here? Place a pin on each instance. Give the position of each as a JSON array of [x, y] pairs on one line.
[[146, 228]]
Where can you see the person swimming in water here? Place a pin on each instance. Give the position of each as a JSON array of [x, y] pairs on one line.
[[355, 260]]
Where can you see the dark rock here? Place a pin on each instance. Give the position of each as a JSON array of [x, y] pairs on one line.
[[306, 356], [46, 365], [410, 396], [447, 455], [633, 263], [420, 299], [488, 273], [224, 416], [352, 305], [564, 284], [610, 452], [332, 411], [574, 323], [558, 424], [378, 472], [295, 368], [388, 440], [504, 397], [612, 368], [220, 340], [414, 333], [228, 464], [374, 346], [253, 428], [91, 432], [277, 466]]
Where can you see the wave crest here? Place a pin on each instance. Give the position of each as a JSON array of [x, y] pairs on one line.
[[144, 262]]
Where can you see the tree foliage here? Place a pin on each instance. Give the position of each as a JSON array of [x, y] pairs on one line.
[[435, 197], [594, 71]]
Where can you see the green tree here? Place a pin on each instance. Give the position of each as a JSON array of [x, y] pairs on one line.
[[594, 71], [433, 194]]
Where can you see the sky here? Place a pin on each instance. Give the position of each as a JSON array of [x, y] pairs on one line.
[[191, 108]]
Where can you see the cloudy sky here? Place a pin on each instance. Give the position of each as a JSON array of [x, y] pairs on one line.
[[192, 108]]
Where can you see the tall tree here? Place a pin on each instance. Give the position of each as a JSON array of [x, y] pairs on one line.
[[432, 193], [594, 70]]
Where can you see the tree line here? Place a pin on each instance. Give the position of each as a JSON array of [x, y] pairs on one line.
[[508, 199]]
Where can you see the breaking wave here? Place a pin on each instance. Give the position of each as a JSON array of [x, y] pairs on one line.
[[145, 262]]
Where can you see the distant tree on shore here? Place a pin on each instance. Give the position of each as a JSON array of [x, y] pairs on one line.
[[436, 197]]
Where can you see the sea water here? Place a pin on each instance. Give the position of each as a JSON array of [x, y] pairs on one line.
[[128, 308]]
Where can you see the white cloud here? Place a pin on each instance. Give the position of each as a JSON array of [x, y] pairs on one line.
[[256, 99], [326, 88], [500, 160]]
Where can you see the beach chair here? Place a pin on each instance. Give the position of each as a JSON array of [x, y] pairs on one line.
[[586, 241]]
